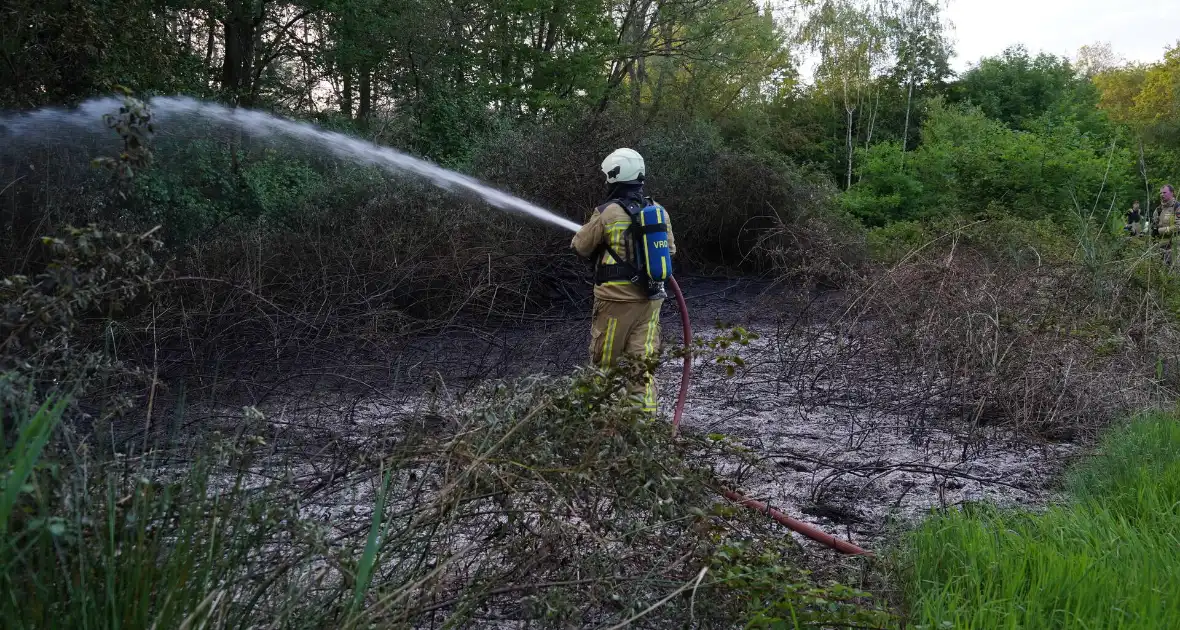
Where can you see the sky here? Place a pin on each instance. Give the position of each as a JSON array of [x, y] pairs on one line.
[[1137, 30]]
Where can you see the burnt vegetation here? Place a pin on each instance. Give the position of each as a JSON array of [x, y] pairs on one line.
[[253, 384]]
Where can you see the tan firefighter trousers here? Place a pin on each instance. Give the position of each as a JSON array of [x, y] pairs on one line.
[[627, 328]]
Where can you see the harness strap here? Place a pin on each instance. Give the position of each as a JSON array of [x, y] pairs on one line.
[[623, 269]]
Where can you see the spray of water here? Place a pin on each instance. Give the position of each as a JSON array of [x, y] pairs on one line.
[[88, 115]]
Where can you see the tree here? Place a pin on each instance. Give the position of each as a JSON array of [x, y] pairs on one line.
[[255, 34], [1145, 100], [851, 41], [1094, 59], [1016, 88], [59, 51], [922, 51], [1158, 101], [704, 68], [969, 164]]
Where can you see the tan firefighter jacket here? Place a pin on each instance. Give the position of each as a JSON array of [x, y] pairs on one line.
[[1166, 219], [611, 222]]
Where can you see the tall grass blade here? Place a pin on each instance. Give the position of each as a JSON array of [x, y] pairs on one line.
[[368, 559], [22, 458]]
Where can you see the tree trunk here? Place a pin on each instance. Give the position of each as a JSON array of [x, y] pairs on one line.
[[848, 146], [1146, 181], [507, 81], [873, 119], [240, 35], [187, 25], [665, 65], [231, 64], [254, 65], [905, 133], [414, 73], [551, 30], [308, 82], [633, 78], [346, 93], [366, 104], [849, 109], [209, 44]]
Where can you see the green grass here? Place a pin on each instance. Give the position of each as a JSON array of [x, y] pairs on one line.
[[1108, 558]]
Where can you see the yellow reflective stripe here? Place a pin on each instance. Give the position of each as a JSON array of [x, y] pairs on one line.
[[649, 348], [668, 237], [649, 344], [615, 237], [649, 394], [609, 342], [660, 218], [646, 248], [616, 283]]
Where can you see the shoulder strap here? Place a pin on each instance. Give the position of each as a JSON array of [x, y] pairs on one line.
[[630, 205], [628, 268]]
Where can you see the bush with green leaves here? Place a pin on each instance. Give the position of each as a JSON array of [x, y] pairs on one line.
[[57, 326], [1021, 90], [968, 164]]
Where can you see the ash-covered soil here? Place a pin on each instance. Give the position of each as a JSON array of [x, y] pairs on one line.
[[835, 438], [839, 439]]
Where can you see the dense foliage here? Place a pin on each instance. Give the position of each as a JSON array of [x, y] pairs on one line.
[[1032, 136]]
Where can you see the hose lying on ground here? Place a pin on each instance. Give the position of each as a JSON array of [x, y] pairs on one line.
[[821, 537]]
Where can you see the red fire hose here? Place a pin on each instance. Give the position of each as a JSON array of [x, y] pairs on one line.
[[843, 546], [821, 537], [687, 373]]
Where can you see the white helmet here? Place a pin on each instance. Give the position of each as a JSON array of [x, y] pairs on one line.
[[624, 165]]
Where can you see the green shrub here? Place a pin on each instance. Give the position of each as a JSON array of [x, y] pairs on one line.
[[968, 164], [56, 326], [891, 243]]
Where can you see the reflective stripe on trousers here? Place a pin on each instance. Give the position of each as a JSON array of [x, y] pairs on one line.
[[627, 328]]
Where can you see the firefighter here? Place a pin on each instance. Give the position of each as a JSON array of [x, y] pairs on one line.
[[626, 316], [1166, 218], [1134, 220]]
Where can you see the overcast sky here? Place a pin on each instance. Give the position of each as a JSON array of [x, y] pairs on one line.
[[1137, 30]]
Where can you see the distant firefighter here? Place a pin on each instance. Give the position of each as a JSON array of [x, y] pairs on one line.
[[1134, 222], [1165, 220]]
